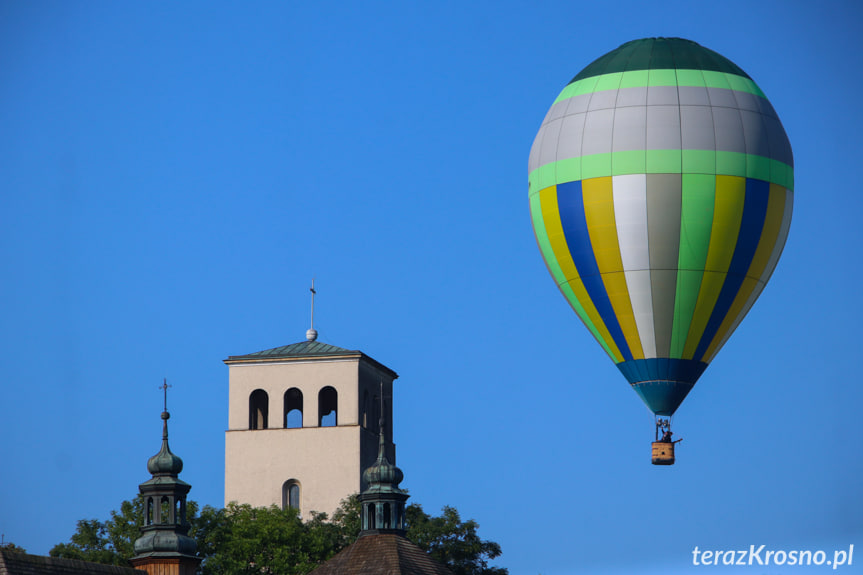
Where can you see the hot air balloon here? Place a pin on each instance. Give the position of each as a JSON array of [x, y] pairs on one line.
[[661, 188]]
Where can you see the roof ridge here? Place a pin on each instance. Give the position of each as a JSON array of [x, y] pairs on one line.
[[299, 349]]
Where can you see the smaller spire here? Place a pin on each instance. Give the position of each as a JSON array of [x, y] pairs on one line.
[[311, 333], [165, 534], [165, 462], [383, 502]]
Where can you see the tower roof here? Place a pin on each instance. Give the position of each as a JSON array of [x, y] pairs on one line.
[[14, 563], [306, 350], [301, 349], [384, 554]]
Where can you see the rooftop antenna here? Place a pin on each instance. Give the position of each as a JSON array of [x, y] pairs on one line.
[[311, 333]]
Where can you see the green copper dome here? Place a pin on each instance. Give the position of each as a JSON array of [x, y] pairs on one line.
[[165, 542], [165, 462], [383, 503], [382, 476]]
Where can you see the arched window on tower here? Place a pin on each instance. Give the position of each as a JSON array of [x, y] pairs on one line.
[[165, 510], [149, 519], [259, 407], [371, 522], [293, 408], [387, 518], [291, 494], [328, 406]]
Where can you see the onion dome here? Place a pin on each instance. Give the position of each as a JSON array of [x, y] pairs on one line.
[[382, 476], [165, 462], [383, 503]]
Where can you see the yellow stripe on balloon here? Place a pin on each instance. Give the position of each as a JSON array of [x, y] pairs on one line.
[[771, 263], [727, 215], [581, 302], [599, 213], [769, 235]]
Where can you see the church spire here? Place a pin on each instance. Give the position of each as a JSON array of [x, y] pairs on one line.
[[165, 547], [383, 502]]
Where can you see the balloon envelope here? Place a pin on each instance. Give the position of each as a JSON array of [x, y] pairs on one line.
[[661, 190]]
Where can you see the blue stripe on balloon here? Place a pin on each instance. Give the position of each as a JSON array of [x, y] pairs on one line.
[[662, 383], [662, 369], [573, 220], [751, 226], [662, 397]]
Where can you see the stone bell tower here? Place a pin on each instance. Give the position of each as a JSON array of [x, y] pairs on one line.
[[303, 422]]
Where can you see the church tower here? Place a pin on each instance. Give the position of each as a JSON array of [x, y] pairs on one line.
[[303, 423], [165, 547]]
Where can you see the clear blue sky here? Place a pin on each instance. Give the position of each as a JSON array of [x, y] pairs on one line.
[[174, 176]]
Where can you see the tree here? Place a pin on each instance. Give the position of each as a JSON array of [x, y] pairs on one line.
[[241, 539], [12, 547], [245, 540], [111, 542], [451, 541]]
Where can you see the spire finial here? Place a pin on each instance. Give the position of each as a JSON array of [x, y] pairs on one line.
[[165, 461], [165, 415], [311, 334], [164, 387]]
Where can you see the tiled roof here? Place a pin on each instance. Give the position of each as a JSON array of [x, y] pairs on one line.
[[13, 563], [382, 554]]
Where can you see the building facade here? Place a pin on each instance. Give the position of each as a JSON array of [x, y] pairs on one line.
[[303, 423]]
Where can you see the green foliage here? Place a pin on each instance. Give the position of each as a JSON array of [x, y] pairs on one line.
[[348, 519], [12, 547], [447, 538], [241, 539], [453, 542], [90, 542], [111, 542], [245, 540]]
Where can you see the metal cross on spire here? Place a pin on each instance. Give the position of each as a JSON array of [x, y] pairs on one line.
[[311, 334], [164, 387]]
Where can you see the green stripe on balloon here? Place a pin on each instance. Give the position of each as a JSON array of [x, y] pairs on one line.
[[657, 78], [662, 162], [696, 222], [542, 240]]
